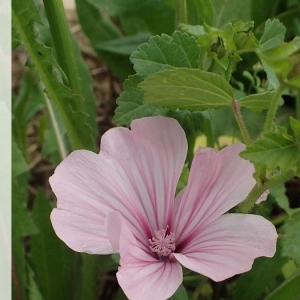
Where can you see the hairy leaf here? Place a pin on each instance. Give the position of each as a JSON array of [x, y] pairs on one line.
[[165, 52], [257, 102], [275, 149], [187, 89], [273, 35]]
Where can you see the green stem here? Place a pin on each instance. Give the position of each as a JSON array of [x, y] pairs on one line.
[[239, 118], [181, 12], [257, 191], [62, 42], [273, 108]]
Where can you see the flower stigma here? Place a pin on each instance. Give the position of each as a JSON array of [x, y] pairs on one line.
[[162, 244]]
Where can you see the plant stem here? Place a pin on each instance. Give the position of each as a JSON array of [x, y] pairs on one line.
[[62, 42], [181, 12], [273, 108], [239, 118], [257, 191]]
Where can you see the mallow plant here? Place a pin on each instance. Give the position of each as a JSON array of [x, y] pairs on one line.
[[164, 204]]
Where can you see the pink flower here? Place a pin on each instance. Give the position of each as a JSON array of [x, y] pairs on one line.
[[122, 200]]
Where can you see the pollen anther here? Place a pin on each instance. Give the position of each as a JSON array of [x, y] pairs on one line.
[[162, 244]]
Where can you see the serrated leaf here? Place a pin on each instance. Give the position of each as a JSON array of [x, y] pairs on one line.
[[130, 104], [250, 285], [289, 289], [273, 35], [68, 104], [187, 89], [291, 238], [200, 12], [275, 149], [257, 102], [131, 107], [165, 52]]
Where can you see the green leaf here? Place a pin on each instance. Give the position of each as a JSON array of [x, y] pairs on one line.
[[165, 52], [279, 193], [295, 124], [273, 35], [99, 28], [47, 253], [124, 45], [250, 285], [180, 294], [275, 149], [33, 290], [231, 10], [257, 102], [130, 105], [19, 276], [155, 14], [187, 89], [291, 238], [280, 58], [289, 289], [88, 276], [68, 104], [200, 12], [19, 164], [23, 224]]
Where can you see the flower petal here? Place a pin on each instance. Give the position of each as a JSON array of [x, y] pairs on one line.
[[141, 275], [228, 246], [136, 173], [150, 161], [217, 182], [81, 233]]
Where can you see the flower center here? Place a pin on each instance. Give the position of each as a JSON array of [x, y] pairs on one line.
[[162, 244]]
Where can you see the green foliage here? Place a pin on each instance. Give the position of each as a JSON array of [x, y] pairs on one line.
[[180, 294], [187, 89], [165, 52], [47, 253], [275, 149], [291, 238], [20, 166], [273, 34], [200, 12], [187, 75], [257, 102], [68, 104], [289, 289], [262, 276]]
